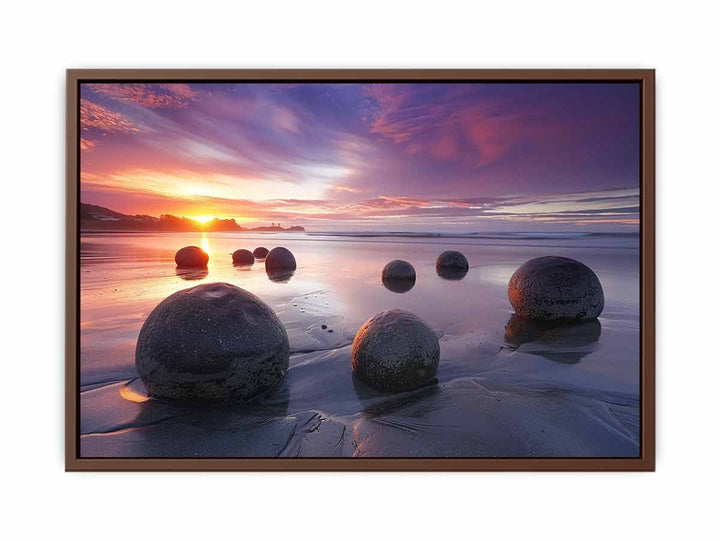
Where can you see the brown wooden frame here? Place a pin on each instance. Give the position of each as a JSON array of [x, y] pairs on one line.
[[646, 461]]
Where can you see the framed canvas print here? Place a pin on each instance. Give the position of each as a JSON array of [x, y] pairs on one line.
[[360, 270]]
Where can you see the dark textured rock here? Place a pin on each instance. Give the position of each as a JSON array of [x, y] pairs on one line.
[[211, 342], [549, 288], [260, 252], [243, 257], [280, 260], [453, 260], [191, 257], [394, 351], [398, 276], [451, 265]]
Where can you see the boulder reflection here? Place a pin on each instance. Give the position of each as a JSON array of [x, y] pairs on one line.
[[280, 277], [451, 274], [377, 403], [398, 285], [181, 429], [566, 342], [191, 274]]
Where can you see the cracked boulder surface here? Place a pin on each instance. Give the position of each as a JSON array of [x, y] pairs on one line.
[[213, 342], [552, 288]]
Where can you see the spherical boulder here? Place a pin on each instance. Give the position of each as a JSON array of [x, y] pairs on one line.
[[260, 252], [213, 342], [243, 257], [451, 265], [395, 351], [191, 257], [398, 269], [452, 259], [550, 288], [280, 260], [398, 276]]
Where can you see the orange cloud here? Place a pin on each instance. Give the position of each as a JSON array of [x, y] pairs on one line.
[[159, 96], [93, 115], [344, 188], [86, 144]]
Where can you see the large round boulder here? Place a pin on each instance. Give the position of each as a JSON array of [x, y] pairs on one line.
[[213, 342], [451, 265], [280, 260], [191, 257], [260, 252], [243, 257], [394, 351], [551, 288]]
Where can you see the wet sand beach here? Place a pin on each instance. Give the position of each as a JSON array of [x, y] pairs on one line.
[[504, 388]]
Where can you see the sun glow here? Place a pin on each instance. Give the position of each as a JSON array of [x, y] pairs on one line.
[[203, 219], [205, 244]]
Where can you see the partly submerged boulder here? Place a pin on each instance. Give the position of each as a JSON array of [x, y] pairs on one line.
[[243, 257], [549, 288], [398, 276], [211, 342], [394, 351], [452, 259], [260, 252], [451, 265], [280, 260], [191, 257]]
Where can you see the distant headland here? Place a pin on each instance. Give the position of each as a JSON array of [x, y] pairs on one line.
[[93, 217]]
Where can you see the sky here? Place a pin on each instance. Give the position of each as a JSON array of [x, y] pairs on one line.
[[454, 157]]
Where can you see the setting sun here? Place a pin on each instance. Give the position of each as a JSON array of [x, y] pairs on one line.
[[203, 219]]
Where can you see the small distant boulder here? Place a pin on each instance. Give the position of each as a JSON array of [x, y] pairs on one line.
[[395, 351], [191, 257], [451, 265], [213, 342], [550, 288], [260, 252], [280, 260], [243, 257]]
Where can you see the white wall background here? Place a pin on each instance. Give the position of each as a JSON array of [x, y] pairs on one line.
[[40, 40]]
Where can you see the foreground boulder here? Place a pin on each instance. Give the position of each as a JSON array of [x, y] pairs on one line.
[[260, 252], [191, 257], [550, 288], [398, 276], [280, 260], [213, 342], [451, 265], [394, 351], [243, 257]]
